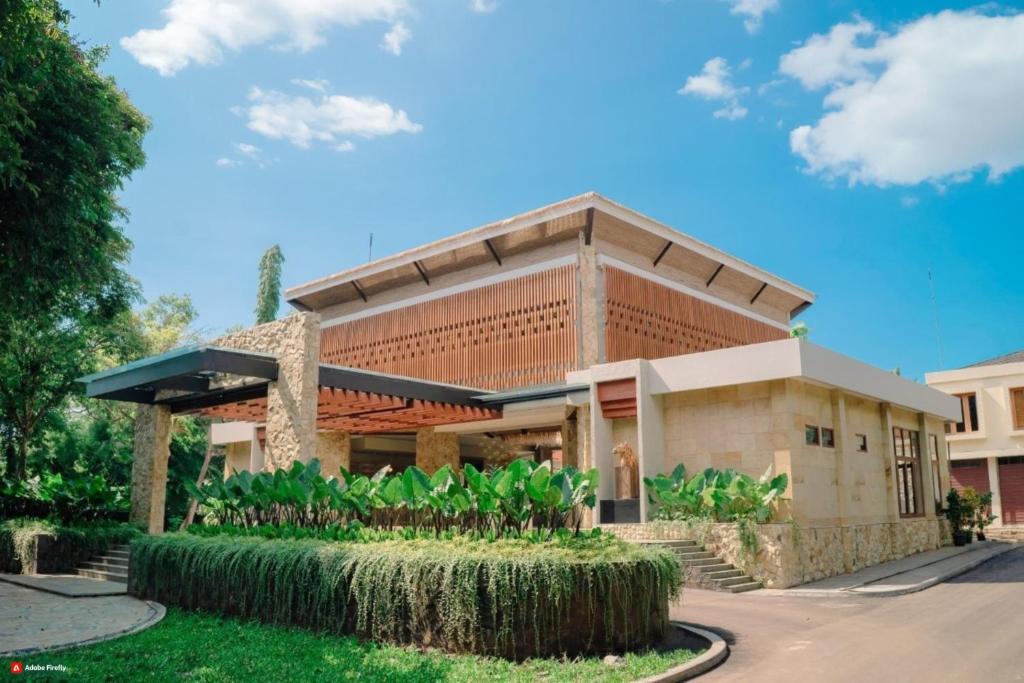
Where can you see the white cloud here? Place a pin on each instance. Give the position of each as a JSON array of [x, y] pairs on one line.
[[909, 201], [752, 11], [394, 38], [224, 162], [344, 146], [251, 151], [200, 31], [483, 6], [328, 119], [935, 101], [714, 82], [318, 84]]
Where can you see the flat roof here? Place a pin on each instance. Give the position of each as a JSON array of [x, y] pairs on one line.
[[589, 212]]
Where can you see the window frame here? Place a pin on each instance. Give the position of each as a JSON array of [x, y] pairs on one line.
[[862, 443], [831, 437], [1017, 398], [817, 435], [971, 419], [906, 445]]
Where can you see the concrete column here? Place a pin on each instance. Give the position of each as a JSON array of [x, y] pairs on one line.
[[149, 466], [927, 487], [889, 460], [650, 434], [334, 451], [434, 450], [570, 436], [584, 456], [993, 485], [600, 451], [945, 483], [842, 451], [591, 331]]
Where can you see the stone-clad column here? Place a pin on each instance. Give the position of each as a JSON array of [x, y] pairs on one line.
[[570, 428], [333, 450], [591, 333], [924, 458], [434, 450], [149, 466]]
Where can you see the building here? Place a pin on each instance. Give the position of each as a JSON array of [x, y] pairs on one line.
[[558, 334], [986, 444]]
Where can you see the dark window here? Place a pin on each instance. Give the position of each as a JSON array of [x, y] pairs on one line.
[[828, 438], [933, 452], [811, 435], [1017, 407], [969, 408], [862, 443], [907, 450]]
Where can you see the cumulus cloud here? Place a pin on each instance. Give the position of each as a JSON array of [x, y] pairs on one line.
[[224, 162], [200, 31], [329, 119], [935, 101], [394, 38], [246, 149], [752, 11], [318, 84], [714, 83], [483, 6]]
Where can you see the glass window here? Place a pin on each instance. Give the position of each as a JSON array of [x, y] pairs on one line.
[[1017, 407], [862, 443], [812, 435], [907, 450], [969, 408], [828, 438]]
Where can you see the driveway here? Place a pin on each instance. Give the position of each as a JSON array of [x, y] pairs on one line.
[[967, 629]]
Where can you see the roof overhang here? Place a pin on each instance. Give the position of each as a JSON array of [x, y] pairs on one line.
[[233, 384], [784, 359], [590, 214]]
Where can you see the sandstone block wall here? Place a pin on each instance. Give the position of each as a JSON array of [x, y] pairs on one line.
[[434, 450], [334, 450], [149, 466]]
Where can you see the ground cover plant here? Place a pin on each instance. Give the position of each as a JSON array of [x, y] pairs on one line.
[[204, 648], [508, 597], [72, 544], [715, 495], [503, 501]]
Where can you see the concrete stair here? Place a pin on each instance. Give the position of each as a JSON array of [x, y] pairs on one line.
[[702, 569], [110, 566]]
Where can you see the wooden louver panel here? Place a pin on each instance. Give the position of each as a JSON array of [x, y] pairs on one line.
[[515, 333], [647, 320], [617, 398]]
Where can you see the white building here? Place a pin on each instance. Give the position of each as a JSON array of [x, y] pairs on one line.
[[986, 447]]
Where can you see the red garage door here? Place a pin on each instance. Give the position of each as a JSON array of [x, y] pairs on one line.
[[966, 473], [1011, 489]]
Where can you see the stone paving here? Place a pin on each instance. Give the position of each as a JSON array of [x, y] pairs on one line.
[[69, 585], [33, 621]]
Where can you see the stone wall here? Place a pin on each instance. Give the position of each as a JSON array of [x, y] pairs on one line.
[[334, 450], [782, 555], [292, 399], [149, 466], [434, 450]]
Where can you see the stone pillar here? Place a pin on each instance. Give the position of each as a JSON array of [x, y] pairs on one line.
[[839, 433], [925, 457], [590, 328], [889, 462], [149, 466], [993, 486], [333, 450], [435, 449], [650, 434], [570, 431]]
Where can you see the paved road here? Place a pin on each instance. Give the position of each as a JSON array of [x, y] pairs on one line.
[[968, 629]]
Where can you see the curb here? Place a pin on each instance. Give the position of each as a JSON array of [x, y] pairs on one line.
[[63, 594], [156, 613], [928, 583], [712, 657]]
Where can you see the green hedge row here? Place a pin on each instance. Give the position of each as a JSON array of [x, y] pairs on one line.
[[70, 545], [507, 598]]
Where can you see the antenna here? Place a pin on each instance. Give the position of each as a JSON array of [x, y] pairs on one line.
[[369, 256], [935, 315]]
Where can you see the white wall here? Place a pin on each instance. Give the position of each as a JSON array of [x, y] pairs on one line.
[[992, 383]]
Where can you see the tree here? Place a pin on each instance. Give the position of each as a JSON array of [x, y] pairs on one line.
[[69, 137], [269, 295]]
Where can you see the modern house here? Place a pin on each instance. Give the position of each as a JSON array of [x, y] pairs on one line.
[[559, 334], [986, 445]]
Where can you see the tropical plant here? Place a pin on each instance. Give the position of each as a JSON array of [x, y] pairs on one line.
[[979, 507], [268, 296], [504, 501], [70, 499], [719, 495]]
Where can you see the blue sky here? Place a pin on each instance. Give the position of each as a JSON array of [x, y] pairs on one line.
[[263, 133]]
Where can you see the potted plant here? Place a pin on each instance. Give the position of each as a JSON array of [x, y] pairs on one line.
[[955, 513], [981, 508]]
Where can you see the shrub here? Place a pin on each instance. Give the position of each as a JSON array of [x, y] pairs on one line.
[[719, 495], [505, 501], [73, 499], [70, 546], [508, 598]]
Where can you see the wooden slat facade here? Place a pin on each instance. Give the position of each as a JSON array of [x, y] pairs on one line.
[[617, 398], [647, 320], [516, 333]]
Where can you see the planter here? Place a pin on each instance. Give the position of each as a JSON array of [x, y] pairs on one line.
[[981, 535], [961, 538]]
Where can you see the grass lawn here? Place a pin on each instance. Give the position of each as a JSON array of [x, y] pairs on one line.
[[190, 646]]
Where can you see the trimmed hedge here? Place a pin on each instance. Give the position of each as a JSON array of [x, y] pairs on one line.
[[507, 598], [70, 545]]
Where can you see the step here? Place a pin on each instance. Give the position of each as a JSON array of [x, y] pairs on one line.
[[732, 581], [103, 575], [117, 553], [105, 565], [670, 545], [703, 562], [724, 574], [744, 587], [719, 566], [696, 555]]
